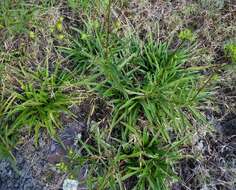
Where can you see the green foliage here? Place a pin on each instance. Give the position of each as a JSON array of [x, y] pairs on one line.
[[187, 35], [87, 6], [8, 138], [16, 17], [230, 50], [75, 4], [139, 157], [145, 158], [148, 81], [40, 97]]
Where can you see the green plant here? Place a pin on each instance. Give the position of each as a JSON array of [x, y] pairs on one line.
[[17, 17], [142, 80], [187, 35], [8, 139], [87, 6], [154, 91], [41, 95], [94, 153], [145, 159], [230, 50], [138, 160]]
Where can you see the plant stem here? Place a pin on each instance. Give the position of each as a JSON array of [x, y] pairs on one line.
[[209, 79], [107, 23]]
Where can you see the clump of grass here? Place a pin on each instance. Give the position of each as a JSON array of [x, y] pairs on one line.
[[40, 97], [145, 159], [154, 92], [142, 80], [140, 160]]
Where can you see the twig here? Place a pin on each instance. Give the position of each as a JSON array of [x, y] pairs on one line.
[[108, 23]]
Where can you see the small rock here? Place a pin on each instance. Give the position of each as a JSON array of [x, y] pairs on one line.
[[70, 184]]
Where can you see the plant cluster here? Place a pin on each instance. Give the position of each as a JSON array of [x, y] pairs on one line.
[[141, 80], [152, 86], [154, 91], [187, 35], [16, 17], [137, 160], [37, 99], [230, 50]]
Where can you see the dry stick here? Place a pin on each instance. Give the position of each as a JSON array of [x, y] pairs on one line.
[[207, 81], [204, 85], [108, 23]]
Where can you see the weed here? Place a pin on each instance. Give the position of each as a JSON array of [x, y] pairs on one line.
[[142, 80], [230, 50], [16, 17], [89, 7], [8, 139], [139, 157], [187, 35], [145, 159], [40, 97]]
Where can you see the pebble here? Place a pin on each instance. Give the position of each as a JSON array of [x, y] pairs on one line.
[[70, 184]]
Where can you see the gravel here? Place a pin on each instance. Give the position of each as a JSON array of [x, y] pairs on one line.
[[23, 179], [35, 165]]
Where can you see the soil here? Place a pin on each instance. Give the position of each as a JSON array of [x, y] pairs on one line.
[[31, 169], [35, 166], [19, 180], [216, 169]]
